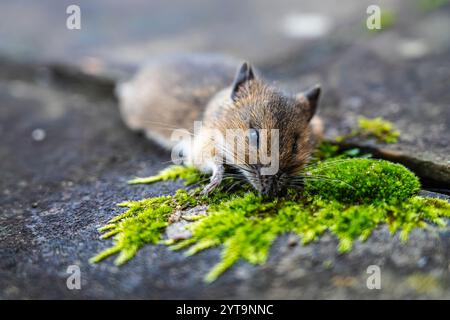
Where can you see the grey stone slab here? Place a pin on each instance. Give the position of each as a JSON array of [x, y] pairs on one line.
[[66, 156], [57, 188]]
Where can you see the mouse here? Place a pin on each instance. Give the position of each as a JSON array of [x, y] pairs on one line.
[[218, 113]]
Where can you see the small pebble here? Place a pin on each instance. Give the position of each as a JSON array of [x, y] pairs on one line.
[[22, 184], [422, 262], [38, 134], [292, 241], [413, 49]]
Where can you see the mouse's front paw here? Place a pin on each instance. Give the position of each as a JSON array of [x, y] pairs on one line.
[[210, 187], [216, 179]]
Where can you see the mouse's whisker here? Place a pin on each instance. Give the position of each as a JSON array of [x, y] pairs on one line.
[[324, 178], [245, 168], [237, 183], [160, 124], [203, 181], [235, 177], [170, 127], [230, 154], [240, 160], [296, 185], [166, 162], [324, 164]]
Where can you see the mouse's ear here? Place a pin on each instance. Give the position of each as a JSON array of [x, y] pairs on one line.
[[244, 74], [311, 96]]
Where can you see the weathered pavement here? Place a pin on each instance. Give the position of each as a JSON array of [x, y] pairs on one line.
[[55, 191], [401, 73]]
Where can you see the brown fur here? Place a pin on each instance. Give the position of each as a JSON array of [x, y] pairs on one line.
[[172, 93], [261, 106], [176, 93]]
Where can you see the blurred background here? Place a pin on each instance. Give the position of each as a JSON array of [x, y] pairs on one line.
[[401, 68], [65, 154], [259, 30]]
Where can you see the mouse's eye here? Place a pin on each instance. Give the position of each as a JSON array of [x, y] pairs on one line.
[[253, 138]]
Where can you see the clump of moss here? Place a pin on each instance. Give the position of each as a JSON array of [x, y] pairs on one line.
[[382, 130], [377, 128], [142, 223], [362, 181], [190, 175], [246, 225], [243, 224]]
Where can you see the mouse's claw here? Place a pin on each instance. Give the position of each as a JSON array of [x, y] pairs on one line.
[[210, 187], [216, 179]]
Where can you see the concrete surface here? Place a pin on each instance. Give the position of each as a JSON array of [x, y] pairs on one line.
[[66, 156]]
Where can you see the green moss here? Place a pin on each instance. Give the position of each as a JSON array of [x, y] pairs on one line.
[[368, 193], [190, 175], [142, 223], [377, 128], [361, 181]]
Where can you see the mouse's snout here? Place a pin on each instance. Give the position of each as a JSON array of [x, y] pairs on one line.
[[270, 186], [267, 185]]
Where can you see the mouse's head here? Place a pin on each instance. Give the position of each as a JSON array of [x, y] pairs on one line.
[[277, 129]]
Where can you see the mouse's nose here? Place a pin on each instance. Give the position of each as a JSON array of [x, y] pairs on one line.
[[270, 188]]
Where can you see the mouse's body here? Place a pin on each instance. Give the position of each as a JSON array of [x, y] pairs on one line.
[[173, 93]]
